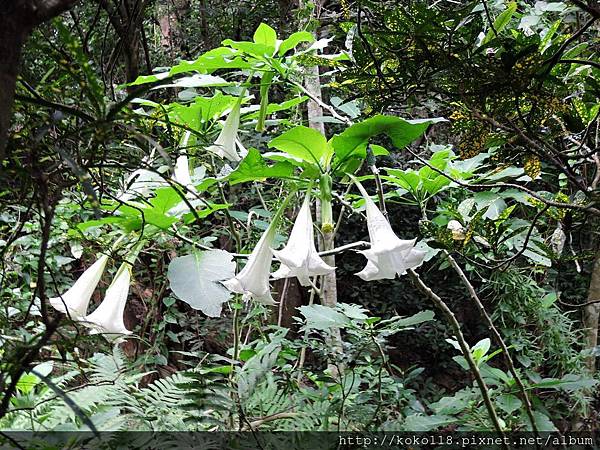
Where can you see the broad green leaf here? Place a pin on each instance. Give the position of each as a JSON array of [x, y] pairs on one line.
[[251, 48], [304, 143], [542, 422], [99, 222], [480, 349], [144, 79], [508, 403], [276, 107], [378, 150], [355, 312], [218, 58], [352, 142], [408, 179], [265, 35], [195, 278], [420, 317], [292, 41], [323, 317], [435, 185], [253, 167], [419, 422], [203, 111], [165, 198]]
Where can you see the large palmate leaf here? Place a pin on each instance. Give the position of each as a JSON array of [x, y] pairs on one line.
[[253, 167], [323, 317], [304, 143], [195, 279], [353, 141]]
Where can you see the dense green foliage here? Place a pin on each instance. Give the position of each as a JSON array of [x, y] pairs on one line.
[[171, 157]]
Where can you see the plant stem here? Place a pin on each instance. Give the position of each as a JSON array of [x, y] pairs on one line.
[[497, 338], [464, 348]]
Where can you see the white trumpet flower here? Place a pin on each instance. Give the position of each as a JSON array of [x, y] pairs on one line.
[[225, 145], [389, 255], [108, 317], [77, 299], [253, 279], [299, 258], [182, 173]]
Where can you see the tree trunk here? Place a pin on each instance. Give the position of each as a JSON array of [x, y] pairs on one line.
[[17, 19], [591, 313], [12, 38]]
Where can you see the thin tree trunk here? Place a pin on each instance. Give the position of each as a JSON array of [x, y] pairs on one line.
[[12, 38], [591, 313], [17, 19]]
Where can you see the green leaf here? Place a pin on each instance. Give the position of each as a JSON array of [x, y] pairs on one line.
[[195, 278], [352, 142], [218, 58], [202, 112], [420, 317], [419, 422], [323, 317], [304, 143], [355, 312], [292, 41], [265, 35], [508, 403], [378, 150], [480, 349], [407, 179], [253, 167], [251, 48], [276, 107], [501, 22], [255, 370]]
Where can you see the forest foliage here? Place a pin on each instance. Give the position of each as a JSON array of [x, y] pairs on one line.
[[354, 215]]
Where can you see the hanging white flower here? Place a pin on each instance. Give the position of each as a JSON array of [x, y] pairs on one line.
[[253, 279], [299, 258], [182, 172], [389, 255], [108, 317], [225, 145], [77, 299]]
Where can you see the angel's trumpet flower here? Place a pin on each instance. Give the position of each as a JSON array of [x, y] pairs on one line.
[[299, 258], [225, 145], [253, 280], [76, 300], [107, 319], [389, 255]]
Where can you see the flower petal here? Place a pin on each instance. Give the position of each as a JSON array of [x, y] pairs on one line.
[[77, 299]]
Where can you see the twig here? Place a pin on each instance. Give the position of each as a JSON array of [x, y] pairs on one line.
[[464, 348], [497, 337]]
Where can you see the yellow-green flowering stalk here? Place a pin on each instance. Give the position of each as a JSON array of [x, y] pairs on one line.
[[107, 319], [253, 280], [77, 299], [389, 255], [299, 258], [225, 145]]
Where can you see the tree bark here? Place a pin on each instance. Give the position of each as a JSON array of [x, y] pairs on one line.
[[591, 313], [17, 19]]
